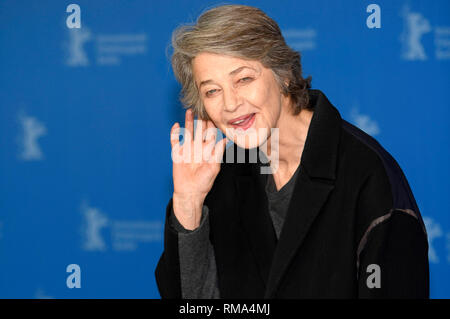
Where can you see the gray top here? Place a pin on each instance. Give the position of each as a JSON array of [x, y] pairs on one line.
[[279, 200], [198, 270]]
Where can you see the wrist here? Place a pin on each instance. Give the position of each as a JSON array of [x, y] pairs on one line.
[[188, 209]]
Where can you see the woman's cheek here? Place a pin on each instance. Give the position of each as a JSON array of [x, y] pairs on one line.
[[214, 113], [256, 94]]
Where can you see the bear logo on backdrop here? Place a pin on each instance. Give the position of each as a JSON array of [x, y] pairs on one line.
[[31, 129], [434, 231], [364, 122], [99, 232], [415, 26], [415, 29], [94, 221], [110, 48], [76, 53]]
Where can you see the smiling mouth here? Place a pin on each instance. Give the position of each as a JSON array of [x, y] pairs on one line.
[[244, 123]]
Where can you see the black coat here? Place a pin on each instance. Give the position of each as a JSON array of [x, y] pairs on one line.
[[351, 208]]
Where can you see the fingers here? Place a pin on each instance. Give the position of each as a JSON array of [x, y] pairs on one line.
[[189, 125], [204, 127], [210, 141], [205, 132], [200, 127], [175, 142], [175, 134], [199, 130], [211, 131]]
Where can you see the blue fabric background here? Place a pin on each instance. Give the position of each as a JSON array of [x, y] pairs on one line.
[[85, 114]]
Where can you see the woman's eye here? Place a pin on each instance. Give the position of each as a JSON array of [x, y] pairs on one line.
[[246, 79], [208, 93]]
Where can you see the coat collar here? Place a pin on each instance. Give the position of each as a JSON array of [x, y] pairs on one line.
[[314, 183], [320, 152]]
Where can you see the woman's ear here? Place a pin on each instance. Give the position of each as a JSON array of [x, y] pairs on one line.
[[286, 82], [285, 91]]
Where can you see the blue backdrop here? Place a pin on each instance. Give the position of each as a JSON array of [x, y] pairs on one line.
[[85, 115]]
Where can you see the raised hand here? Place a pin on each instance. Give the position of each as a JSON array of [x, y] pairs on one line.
[[196, 164]]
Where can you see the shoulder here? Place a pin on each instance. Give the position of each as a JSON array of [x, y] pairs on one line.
[[372, 161], [363, 151], [384, 192]]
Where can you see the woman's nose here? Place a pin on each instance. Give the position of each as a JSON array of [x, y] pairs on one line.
[[231, 99]]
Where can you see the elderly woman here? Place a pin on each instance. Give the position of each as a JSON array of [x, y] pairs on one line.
[[335, 218]]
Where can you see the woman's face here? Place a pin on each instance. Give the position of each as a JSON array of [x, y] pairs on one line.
[[231, 89]]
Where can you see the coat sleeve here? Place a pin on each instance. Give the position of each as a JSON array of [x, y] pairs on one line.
[[187, 267], [167, 272], [392, 251]]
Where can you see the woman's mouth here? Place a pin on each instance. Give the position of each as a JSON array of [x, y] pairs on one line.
[[244, 123]]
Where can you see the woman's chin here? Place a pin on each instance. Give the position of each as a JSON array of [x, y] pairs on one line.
[[249, 138], [247, 145], [249, 141]]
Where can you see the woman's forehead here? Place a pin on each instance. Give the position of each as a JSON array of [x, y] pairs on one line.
[[211, 64]]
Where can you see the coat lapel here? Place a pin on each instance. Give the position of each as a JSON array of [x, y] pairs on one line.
[[256, 221], [313, 186], [307, 200], [314, 183]]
